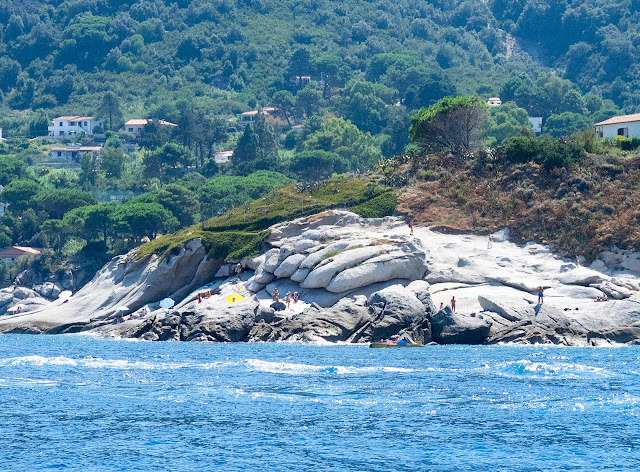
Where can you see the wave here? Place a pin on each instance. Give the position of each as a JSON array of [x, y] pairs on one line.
[[290, 368], [560, 370]]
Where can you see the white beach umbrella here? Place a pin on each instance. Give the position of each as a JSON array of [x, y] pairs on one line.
[[167, 303], [122, 308]]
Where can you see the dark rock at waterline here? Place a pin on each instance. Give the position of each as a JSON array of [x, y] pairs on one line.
[[456, 328]]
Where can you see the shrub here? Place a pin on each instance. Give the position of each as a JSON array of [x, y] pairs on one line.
[[378, 207]]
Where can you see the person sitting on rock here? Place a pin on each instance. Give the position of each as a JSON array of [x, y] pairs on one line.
[[442, 305], [605, 298], [296, 297], [598, 299], [276, 295]]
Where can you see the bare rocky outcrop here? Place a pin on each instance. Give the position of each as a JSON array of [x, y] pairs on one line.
[[358, 280]]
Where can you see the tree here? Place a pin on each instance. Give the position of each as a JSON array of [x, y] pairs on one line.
[[257, 148], [307, 101], [284, 100], [334, 72], [110, 110], [342, 137], [55, 231], [183, 203], [397, 130], [137, 220], [453, 124], [11, 168], [19, 193], [92, 221], [565, 124], [39, 124], [365, 104], [57, 202], [507, 120], [166, 160], [112, 159], [317, 165], [153, 135]]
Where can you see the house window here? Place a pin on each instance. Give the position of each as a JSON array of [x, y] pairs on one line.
[[84, 123], [623, 132], [60, 123], [130, 130], [59, 153]]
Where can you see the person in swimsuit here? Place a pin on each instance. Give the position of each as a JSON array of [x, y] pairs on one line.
[[540, 295]]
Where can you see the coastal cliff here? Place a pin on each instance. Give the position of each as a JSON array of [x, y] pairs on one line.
[[358, 280]]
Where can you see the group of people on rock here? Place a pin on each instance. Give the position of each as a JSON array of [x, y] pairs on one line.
[[602, 298], [287, 299]]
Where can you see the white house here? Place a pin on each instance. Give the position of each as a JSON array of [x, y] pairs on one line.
[[222, 157], [1, 138], [494, 102], [72, 125], [71, 152], [536, 123], [626, 125], [248, 117], [135, 126]]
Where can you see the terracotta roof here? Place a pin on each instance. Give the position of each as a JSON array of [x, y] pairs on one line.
[[136, 122], [17, 251], [620, 119]]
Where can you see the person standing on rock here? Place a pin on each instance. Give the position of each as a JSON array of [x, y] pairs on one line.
[[411, 227], [453, 304], [540, 295], [287, 300], [276, 295], [490, 242], [238, 270]]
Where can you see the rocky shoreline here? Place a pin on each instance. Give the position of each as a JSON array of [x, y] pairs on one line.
[[359, 280]]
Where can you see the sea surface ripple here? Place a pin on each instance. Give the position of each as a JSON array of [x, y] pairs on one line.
[[81, 403]]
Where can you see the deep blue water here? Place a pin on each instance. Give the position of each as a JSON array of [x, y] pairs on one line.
[[79, 403]]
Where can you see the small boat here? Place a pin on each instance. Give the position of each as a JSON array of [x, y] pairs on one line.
[[396, 341]]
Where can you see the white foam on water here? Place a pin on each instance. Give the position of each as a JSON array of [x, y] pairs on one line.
[[527, 368], [291, 368]]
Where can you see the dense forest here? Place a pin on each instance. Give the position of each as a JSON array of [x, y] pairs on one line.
[[345, 79]]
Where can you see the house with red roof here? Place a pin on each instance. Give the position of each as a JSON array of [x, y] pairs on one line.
[[9, 254]]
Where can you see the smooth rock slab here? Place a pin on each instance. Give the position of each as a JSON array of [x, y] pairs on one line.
[[289, 265], [321, 276], [408, 267]]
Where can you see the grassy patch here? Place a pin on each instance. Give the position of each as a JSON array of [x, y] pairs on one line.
[[240, 232], [378, 207]]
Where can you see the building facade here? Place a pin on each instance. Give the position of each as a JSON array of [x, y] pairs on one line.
[[72, 125], [627, 126]]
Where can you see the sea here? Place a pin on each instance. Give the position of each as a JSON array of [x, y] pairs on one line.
[[79, 403]]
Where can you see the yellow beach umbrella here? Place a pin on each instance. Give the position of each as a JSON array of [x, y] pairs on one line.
[[234, 298]]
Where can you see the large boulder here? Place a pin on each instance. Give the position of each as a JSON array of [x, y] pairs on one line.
[[396, 308], [337, 323], [448, 327], [206, 321]]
